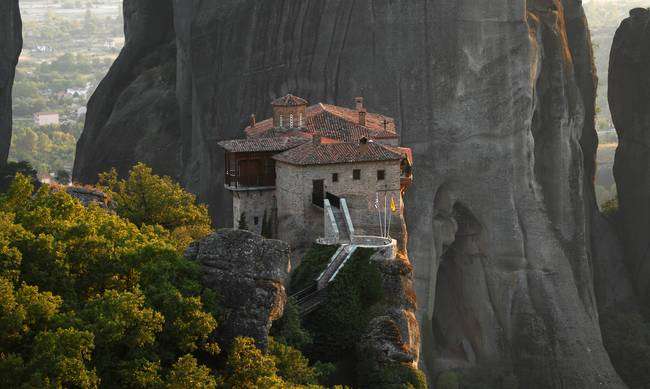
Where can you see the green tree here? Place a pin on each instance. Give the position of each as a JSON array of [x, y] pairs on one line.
[[63, 177], [249, 367], [187, 373], [292, 365], [147, 199], [242, 224], [11, 169], [267, 226], [86, 296]]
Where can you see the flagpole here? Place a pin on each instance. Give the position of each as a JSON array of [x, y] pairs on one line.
[[390, 219], [381, 228], [385, 213]]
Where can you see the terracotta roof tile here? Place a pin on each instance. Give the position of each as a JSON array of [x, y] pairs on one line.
[[333, 153], [251, 145], [331, 122], [289, 101]]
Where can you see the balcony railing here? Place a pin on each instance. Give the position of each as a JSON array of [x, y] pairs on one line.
[[234, 180]]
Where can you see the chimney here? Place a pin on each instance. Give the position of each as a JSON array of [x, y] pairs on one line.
[[362, 117], [359, 103], [253, 121], [363, 145], [316, 141]]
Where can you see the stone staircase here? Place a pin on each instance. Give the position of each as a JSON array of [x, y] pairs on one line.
[[344, 232]]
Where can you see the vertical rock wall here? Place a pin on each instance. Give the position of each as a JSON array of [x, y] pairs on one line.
[[629, 100], [133, 115], [11, 43], [496, 98]]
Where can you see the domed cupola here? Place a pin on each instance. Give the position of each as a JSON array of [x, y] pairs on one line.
[[289, 111]]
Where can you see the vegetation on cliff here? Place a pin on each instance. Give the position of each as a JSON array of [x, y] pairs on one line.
[[88, 298], [331, 334]]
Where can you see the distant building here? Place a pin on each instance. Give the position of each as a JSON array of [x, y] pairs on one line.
[[306, 162], [81, 111], [46, 118], [114, 43]]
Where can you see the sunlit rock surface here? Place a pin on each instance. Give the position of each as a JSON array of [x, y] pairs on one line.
[[496, 98], [11, 43]]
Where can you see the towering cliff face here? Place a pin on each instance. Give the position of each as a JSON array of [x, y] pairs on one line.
[[629, 100], [11, 43], [495, 98], [133, 116]]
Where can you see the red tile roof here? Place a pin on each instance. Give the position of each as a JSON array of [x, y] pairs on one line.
[[332, 122], [252, 145], [289, 101], [333, 153]]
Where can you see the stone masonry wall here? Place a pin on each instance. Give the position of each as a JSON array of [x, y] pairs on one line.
[[254, 203], [299, 222]]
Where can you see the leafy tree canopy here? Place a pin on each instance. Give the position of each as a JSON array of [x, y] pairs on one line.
[[147, 199], [89, 299]]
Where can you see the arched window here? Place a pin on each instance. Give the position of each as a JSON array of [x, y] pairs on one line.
[[291, 121], [280, 120]]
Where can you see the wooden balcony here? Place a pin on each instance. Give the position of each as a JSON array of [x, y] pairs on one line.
[[235, 181]]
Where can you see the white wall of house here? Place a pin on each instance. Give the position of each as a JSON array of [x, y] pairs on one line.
[[46, 119]]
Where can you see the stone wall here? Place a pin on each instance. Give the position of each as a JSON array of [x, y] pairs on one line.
[[300, 222], [255, 203]]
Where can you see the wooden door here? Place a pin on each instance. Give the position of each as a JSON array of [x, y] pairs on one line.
[[250, 171], [318, 192]]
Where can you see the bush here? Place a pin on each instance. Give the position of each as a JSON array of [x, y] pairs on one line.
[[610, 208], [344, 315], [288, 329], [448, 380], [395, 376], [314, 262]]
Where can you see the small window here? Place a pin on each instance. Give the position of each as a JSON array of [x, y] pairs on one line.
[[300, 120], [335, 177], [356, 174], [291, 121], [281, 120], [256, 220], [381, 175]]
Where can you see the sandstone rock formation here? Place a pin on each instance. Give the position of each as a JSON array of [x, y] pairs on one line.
[[11, 43], [496, 98], [248, 274], [629, 99], [393, 335], [133, 116]]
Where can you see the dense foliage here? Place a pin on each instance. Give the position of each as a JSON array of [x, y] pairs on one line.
[[314, 262], [90, 299], [9, 171], [342, 319], [147, 199]]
